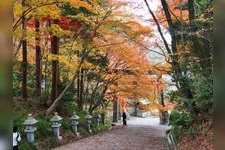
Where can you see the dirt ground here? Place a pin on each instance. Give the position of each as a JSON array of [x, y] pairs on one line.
[[140, 134]]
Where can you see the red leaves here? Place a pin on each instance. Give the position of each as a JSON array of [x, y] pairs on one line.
[[64, 23], [67, 24]]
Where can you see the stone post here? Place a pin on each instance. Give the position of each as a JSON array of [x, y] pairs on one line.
[[97, 119], [30, 128], [103, 117], [164, 118], [56, 125], [74, 123], [88, 122]]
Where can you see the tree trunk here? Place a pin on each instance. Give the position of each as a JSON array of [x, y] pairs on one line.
[[81, 103], [119, 112], [78, 88], [55, 65], [38, 59], [24, 55], [98, 98], [191, 10], [54, 104], [162, 99], [175, 61], [202, 48], [115, 110]]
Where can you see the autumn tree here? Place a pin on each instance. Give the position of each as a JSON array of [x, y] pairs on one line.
[[23, 16], [190, 26], [24, 52]]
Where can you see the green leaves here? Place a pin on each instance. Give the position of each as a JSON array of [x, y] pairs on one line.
[[180, 119]]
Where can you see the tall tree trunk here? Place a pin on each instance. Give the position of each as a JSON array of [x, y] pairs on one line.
[[115, 110], [24, 55], [202, 48], [191, 10], [78, 88], [55, 65], [175, 61], [38, 59], [162, 99], [81, 103]]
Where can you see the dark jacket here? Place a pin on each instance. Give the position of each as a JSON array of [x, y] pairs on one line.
[[124, 115]]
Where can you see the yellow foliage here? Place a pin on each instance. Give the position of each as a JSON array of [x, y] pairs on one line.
[[61, 59], [56, 30], [80, 3], [82, 17], [17, 9]]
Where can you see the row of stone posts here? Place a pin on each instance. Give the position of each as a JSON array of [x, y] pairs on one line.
[[30, 123]]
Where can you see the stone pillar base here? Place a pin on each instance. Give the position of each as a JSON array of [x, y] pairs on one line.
[[77, 134], [60, 138], [164, 118], [90, 131]]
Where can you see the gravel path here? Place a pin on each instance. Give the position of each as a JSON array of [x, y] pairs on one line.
[[140, 134]]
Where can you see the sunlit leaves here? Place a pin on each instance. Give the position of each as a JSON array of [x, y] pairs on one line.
[[80, 3], [61, 59], [57, 31]]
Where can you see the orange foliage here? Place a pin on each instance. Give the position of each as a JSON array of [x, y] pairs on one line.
[[176, 13], [128, 64]]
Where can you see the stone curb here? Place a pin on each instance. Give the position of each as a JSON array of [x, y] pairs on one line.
[[170, 140]]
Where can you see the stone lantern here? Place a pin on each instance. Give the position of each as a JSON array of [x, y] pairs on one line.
[[103, 118], [56, 125], [97, 119], [74, 123], [164, 118], [88, 122], [30, 127]]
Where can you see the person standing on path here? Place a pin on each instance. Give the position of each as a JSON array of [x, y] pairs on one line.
[[124, 119], [16, 137]]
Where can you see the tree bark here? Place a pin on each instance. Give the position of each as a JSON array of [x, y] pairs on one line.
[[202, 48], [38, 59], [191, 10], [55, 65], [81, 103], [162, 99], [24, 56], [115, 110], [78, 88]]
